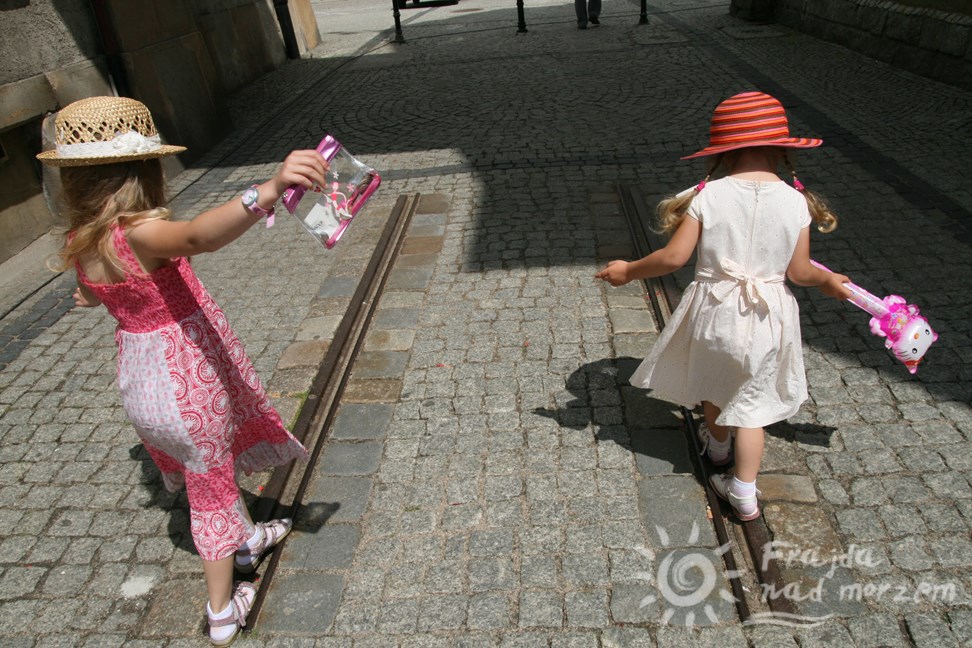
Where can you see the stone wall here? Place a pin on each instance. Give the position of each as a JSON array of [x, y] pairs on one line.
[[931, 43], [179, 57]]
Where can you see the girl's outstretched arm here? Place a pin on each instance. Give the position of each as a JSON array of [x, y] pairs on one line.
[[211, 230], [803, 273], [660, 262]]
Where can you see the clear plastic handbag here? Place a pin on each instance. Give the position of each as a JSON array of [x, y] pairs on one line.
[[326, 212]]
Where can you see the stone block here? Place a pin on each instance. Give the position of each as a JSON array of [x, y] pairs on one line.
[[417, 260], [142, 24], [245, 42], [308, 601], [642, 412], [409, 279], [318, 328], [821, 590], [422, 245], [753, 10], [903, 27], [838, 11], [632, 321], [362, 421], [330, 547], [806, 527], [792, 488], [305, 24], [661, 452], [25, 100], [871, 19], [433, 204], [25, 221], [177, 81], [337, 499], [380, 364], [84, 79], [351, 458], [633, 345], [372, 391], [302, 354], [174, 601], [389, 340], [673, 510]]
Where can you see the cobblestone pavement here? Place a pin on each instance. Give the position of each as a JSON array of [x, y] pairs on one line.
[[490, 479]]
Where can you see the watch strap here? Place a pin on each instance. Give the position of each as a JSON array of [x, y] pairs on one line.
[[255, 208]]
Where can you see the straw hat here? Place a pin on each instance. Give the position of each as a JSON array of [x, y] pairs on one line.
[[105, 130], [751, 119]]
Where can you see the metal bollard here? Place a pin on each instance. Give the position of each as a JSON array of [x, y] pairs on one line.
[[521, 27], [644, 13], [399, 37]]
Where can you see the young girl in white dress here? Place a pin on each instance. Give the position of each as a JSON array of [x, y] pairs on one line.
[[733, 342]]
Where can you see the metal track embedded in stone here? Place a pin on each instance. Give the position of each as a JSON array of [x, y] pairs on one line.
[[663, 293], [283, 493]]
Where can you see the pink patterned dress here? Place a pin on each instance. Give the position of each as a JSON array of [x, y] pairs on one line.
[[194, 398]]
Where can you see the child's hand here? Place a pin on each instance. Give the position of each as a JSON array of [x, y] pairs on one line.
[[82, 299], [834, 286], [304, 168], [616, 273]]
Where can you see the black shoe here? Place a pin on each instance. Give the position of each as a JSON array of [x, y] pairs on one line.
[[594, 20], [582, 25]]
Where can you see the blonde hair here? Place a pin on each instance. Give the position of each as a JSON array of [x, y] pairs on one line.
[[95, 199], [672, 210]]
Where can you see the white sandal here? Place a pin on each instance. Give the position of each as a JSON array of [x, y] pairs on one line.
[[273, 532], [718, 459], [243, 596]]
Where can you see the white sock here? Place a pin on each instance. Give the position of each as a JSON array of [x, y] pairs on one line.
[[251, 543], [720, 447], [743, 489], [224, 632], [255, 539]]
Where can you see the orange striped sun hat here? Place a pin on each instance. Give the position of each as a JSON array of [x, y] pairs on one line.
[[751, 119]]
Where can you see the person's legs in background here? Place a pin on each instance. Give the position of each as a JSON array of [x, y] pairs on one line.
[[594, 11], [580, 8]]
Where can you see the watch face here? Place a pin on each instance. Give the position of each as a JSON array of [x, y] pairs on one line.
[[250, 196]]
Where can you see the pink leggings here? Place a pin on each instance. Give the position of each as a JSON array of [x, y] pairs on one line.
[[218, 521]]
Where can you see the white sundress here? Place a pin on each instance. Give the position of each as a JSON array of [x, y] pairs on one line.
[[734, 339]]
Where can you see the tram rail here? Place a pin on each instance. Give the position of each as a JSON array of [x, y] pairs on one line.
[[663, 294], [283, 493]]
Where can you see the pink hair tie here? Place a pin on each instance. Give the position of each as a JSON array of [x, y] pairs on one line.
[[797, 184], [699, 187]]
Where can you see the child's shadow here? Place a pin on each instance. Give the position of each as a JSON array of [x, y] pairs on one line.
[[652, 429], [311, 516]]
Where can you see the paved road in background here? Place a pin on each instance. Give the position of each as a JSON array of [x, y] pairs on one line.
[[491, 480]]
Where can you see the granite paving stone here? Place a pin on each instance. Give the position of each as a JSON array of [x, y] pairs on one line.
[[491, 478]]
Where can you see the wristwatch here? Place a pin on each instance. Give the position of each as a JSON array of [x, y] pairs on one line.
[[250, 198]]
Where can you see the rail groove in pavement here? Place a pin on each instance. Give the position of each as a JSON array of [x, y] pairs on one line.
[[285, 489], [663, 294]]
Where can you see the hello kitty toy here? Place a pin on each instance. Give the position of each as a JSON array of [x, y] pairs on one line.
[[908, 333]]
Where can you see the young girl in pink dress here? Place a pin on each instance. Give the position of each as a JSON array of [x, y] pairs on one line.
[[186, 383], [733, 342]]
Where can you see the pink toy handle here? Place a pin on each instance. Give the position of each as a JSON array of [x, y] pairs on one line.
[[860, 297], [328, 148]]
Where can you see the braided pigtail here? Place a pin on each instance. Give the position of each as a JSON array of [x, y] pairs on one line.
[[671, 210], [820, 212]]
